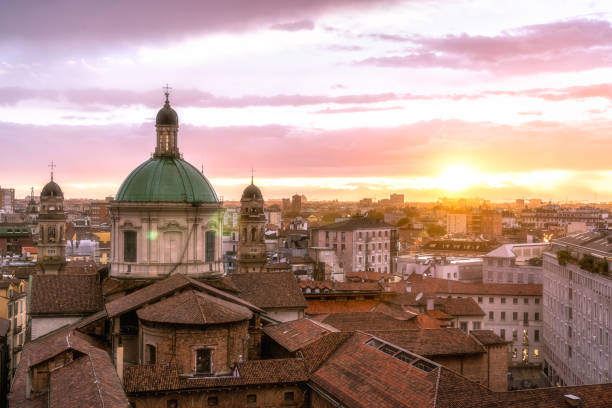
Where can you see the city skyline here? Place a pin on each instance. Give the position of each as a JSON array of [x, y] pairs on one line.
[[328, 99]]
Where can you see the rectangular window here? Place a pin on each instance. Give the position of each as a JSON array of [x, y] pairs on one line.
[[491, 300], [515, 300], [476, 325], [526, 301], [502, 334], [514, 315], [536, 335], [150, 354], [129, 246], [503, 316], [10, 310], [479, 299], [491, 315], [203, 361], [503, 301], [210, 246], [525, 316], [514, 334], [463, 326], [537, 301], [536, 316]]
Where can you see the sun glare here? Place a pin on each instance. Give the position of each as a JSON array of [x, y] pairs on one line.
[[458, 177]]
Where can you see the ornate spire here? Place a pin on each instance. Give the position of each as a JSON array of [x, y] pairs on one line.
[[167, 93]]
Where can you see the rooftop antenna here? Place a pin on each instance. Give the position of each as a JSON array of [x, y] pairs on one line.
[[202, 168], [252, 171], [31, 193], [52, 165], [167, 93]]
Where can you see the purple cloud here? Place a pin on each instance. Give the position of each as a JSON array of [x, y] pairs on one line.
[[573, 45], [294, 26]]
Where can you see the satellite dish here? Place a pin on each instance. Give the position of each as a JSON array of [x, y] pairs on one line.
[[419, 296]]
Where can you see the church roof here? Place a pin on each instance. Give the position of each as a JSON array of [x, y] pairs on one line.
[[65, 295], [193, 307], [51, 189], [270, 290], [252, 192], [167, 179]]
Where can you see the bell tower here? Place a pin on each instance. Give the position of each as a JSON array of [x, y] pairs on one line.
[[52, 228], [166, 126], [252, 255]]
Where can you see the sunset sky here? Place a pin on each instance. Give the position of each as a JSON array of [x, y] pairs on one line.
[[329, 98]]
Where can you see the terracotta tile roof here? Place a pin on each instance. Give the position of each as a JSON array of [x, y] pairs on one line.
[[338, 306], [366, 321], [225, 283], [426, 322], [270, 290], [65, 294], [444, 286], [357, 287], [317, 352], [165, 377], [317, 284], [296, 334], [591, 396], [164, 287], [368, 276], [358, 375], [111, 286], [396, 311], [71, 383], [20, 272], [81, 267], [89, 381], [438, 314], [488, 337], [459, 306], [432, 342], [194, 307], [405, 299]]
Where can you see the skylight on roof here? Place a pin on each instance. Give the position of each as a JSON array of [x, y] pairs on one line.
[[404, 356]]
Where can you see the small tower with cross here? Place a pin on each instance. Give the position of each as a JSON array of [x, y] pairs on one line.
[[166, 125], [52, 228], [252, 256]]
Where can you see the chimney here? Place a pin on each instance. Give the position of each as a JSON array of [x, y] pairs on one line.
[[430, 303], [572, 400]]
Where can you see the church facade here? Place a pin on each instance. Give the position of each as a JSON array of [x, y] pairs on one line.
[[166, 217]]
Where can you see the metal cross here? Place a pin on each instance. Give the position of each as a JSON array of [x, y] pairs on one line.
[[52, 165], [167, 89]]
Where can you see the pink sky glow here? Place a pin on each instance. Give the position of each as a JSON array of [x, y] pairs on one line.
[[331, 98]]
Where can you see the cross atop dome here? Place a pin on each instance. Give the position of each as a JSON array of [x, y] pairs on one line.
[[167, 93]]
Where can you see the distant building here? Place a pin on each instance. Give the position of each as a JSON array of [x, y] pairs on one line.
[[509, 263], [52, 227], [578, 309], [396, 199], [361, 244], [7, 200], [296, 203], [464, 269]]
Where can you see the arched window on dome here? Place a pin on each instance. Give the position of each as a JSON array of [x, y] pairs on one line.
[[129, 246]]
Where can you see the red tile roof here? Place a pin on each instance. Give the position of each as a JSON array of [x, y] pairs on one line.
[[270, 290], [159, 289], [368, 276], [444, 286], [338, 306], [432, 342], [296, 334], [73, 382], [65, 295], [194, 307], [165, 377], [366, 321], [459, 306], [488, 337]]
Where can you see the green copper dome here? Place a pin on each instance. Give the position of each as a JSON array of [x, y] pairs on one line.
[[166, 179]]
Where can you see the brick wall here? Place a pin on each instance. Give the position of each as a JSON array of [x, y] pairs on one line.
[[177, 344], [273, 396], [498, 363]]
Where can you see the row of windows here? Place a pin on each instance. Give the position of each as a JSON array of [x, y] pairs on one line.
[[502, 316], [380, 259], [130, 247], [515, 300]]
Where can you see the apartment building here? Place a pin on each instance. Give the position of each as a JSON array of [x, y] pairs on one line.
[[514, 263], [577, 303], [512, 311], [360, 243]]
